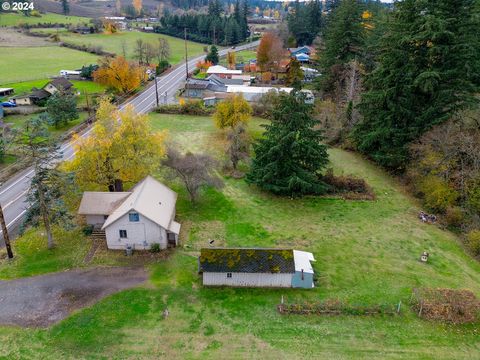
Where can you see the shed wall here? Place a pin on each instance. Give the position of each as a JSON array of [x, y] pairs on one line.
[[248, 279], [306, 283]]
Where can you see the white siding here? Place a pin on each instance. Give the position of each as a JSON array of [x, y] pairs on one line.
[[248, 279], [138, 233], [95, 219]]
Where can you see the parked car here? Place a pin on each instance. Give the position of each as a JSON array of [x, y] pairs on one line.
[[8, 104]]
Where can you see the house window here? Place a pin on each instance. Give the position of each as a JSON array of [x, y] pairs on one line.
[[229, 275], [134, 217], [123, 234]]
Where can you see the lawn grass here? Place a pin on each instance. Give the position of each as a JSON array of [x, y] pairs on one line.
[[241, 57], [17, 122], [81, 85], [366, 253], [12, 19], [31, 256], [113, 43], [26, 64]]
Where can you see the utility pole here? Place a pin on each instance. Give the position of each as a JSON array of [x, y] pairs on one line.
[[6, 238], [156, 88], [186, 53]]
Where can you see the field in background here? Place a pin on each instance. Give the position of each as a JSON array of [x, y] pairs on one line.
[[25, 64], [113, 43], [17, 19]]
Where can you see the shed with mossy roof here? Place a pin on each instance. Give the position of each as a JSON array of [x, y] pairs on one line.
[[256, 267]]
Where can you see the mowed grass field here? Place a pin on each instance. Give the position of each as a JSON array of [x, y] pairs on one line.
[[11, 19], [26, 64], [366, 253], [113, 43]]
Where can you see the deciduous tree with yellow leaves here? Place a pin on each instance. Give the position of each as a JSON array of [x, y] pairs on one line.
[[119, 74], [232, 111], [121, 150], [137, 4]]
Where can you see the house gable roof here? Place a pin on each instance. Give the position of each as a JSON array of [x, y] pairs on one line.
[[247, 260], [151, 199], [60, 83], [101, 203]]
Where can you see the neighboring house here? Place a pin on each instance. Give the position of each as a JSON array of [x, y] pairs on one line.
[[143, 216], [309, 74], [6, 92], [215, 79], [256, 267], [34, 98], [303, 58], [300, 50], [222, 71], [197, 88], [254, 93], [58, 84]]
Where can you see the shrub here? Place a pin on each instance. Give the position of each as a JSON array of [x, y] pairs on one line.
[[454, 216], [185, 108], [162, 66], [473, 238], [353, 188], [446, 305], [155, 248], [438, 195]]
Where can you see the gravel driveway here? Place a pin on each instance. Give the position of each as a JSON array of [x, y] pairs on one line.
[[40, 301]]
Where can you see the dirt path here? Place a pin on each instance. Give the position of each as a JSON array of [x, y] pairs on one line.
[[40, 301]]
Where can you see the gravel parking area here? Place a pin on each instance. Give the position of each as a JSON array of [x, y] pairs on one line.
[[41, 301]]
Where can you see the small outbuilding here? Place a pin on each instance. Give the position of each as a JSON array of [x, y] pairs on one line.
[[256, 267]]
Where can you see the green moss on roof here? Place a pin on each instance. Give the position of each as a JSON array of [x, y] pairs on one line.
[[247, 260]]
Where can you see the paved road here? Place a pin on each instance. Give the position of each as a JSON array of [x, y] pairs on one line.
[[13, 192], [40, 301]]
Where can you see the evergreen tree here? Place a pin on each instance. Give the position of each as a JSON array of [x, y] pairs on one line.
[[62, 108], [294, 74], [212, 56], [214, 8], [38, 146], [65, 7], [343, 42], [428, 70], [290, 157]]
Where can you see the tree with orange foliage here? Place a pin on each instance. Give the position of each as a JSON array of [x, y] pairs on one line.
[[109, 27], [137, 4], [203, 65], [119, 74], [231, 61], [269, 53]]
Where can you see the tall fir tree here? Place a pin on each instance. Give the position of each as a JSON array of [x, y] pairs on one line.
[[290, 157], [343, 42], [429, 69]]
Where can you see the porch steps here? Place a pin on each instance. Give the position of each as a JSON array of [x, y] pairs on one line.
[[98, 238]]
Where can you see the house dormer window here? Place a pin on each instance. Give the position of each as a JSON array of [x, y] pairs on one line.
[[133, 217]]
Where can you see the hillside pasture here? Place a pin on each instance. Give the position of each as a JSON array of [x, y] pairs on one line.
[[26, 64], [114, 43], [12, 19]]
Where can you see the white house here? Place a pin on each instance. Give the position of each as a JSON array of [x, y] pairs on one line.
[[256, 267], [222, 71], [143, 216]]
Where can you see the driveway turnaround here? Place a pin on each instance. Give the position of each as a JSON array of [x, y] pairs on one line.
[[43, 300]]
